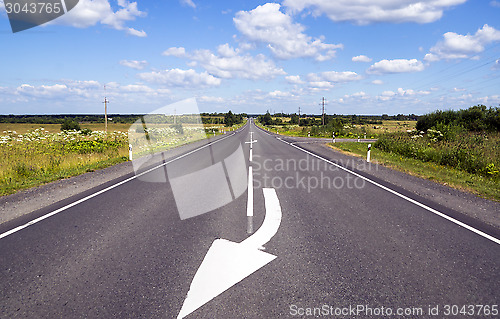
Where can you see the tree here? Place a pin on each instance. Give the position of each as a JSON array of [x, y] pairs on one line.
[[69, 124], [229, 119]]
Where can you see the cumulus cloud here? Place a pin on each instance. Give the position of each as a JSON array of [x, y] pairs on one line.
[[279, 94], [134, 64], [457, 46], [230, 63], [181, 78], [401, 93], [267, 25], [334, 77], [361, 58], [91, 12], [179, 52], [378, 82], [137, 88], [365, 12], [42, 91], [396, 66], [137, 33], [320, 85], [294, 79], [213, 99]]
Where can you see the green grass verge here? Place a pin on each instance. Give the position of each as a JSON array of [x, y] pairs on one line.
[[483, 186], [17, 185]]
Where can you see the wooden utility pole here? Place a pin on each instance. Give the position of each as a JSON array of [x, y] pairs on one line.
[[299, 115], [105, 110], [323, 110]]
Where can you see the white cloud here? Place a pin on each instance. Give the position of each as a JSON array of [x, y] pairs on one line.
[[457, 46], [229, 63], [396, 66], [137, 33], [279, 94], [334, 77], [181, 78], [294, 79], [361, 58], [266, 24], [495, 4], [189, 3], [137, 88], [42, 91], [401, 93], [90, 12], [179, 52], [215, 99], [134, 64], [378, 82], [320, 85], [366, 12]]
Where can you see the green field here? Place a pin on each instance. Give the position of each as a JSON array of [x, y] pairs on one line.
[[350, 130]]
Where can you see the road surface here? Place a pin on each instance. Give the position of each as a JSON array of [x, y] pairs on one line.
[[339, 245]]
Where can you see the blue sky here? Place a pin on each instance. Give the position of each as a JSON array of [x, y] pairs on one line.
[[364, 57]]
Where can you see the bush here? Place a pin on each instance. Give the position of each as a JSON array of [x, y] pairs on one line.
[[69, 125], [476, 153], [474, 119]]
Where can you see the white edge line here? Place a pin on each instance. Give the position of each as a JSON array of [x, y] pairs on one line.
[[432, 210], [36, 220]]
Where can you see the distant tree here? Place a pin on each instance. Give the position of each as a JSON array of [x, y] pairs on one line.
[[69, 124]]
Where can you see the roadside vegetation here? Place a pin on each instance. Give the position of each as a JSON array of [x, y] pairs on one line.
[[459, 148], [34, 153], [344, 126]]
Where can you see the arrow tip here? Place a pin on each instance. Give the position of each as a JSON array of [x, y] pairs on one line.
[[225, 264]]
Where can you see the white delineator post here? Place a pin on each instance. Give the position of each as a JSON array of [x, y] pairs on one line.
[[368, 153], [333, 137], [130, 151]]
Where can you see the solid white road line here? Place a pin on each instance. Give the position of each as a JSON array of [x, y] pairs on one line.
[[250, 192], [39, 219], [271, 223], [432, 210]]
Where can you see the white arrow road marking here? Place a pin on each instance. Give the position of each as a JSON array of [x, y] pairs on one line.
[[227, 263]]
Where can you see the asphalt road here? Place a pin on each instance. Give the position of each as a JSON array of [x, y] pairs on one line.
[[344, 245]]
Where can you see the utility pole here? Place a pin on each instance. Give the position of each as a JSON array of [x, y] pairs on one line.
[[323, 110], [299, 115], [105, 111]]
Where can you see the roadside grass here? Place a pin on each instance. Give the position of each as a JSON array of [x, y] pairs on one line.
[[483, 186], [36, 154], [39, 157]]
